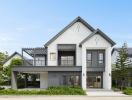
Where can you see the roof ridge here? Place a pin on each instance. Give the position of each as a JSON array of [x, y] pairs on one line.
[[98, 31], [77, 19]]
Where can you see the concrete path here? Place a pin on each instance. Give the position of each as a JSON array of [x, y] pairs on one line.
[[62, 98], [101, 92]]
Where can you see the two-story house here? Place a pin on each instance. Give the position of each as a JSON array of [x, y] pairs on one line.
[[77, 55]]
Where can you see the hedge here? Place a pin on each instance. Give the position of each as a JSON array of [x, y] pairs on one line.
[[49, 91], [128, 91]]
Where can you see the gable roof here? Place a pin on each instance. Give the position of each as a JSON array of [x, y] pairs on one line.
[[128, 51], [78, 19], [15, 53], [98, 31]]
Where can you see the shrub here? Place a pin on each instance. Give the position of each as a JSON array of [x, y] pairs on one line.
[[128, 91], [49, 91], [2, 88]]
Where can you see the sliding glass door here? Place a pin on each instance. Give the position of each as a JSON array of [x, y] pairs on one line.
[[94, 81]]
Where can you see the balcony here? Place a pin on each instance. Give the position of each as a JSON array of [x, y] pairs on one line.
[[95, 60], [67, 63], [30, 62]]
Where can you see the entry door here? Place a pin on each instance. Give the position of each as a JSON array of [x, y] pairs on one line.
[[94, 81]]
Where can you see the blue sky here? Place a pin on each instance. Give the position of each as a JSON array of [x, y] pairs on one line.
[[31, 23]]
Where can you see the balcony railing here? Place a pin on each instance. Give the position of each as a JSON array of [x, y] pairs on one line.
[[67, 63], [30, 62]]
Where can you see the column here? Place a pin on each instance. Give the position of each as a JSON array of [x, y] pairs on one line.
[[26, 79], [84, 71], [107, 73], [44, 80], [14, 80]]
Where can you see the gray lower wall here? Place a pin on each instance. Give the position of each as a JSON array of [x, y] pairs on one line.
[[56, 78]]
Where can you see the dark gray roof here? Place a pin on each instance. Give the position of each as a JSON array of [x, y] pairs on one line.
[[78, 19], [98, 31], [35, 51], [13, 56], [129, 51]]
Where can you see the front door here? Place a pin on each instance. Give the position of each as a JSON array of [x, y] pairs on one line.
[[94, 81]]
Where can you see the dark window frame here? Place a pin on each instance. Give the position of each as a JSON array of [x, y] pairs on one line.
[[97, 62], [89, 61]]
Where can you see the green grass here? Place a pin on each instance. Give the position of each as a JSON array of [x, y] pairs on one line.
[[49, 91], [128, 91]]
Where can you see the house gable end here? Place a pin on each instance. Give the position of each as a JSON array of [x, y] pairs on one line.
[[98, 31], [78, 19]]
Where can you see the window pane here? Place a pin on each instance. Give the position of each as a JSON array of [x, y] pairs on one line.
[[100, 56], [52, 56], [89, 56], [100, 61], [67, 60]]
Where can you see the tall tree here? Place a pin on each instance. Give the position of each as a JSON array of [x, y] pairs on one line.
[[120, 70]]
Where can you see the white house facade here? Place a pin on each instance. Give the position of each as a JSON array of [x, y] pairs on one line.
[[77, 55]]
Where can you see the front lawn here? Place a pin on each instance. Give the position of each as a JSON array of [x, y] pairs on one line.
[[49, 91], [128, 91]]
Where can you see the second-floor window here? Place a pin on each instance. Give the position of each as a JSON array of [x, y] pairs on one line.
[[40, 61], [67, 60], [95, 58], [100, 56], [52, 56], [89, 59]]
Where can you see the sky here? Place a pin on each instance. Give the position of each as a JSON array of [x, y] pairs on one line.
[[31, 23]]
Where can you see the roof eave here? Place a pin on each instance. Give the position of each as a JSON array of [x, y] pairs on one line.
[[98, 31], [78, 19]]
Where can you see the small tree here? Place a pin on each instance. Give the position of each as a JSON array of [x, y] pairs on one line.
[[3, 57], [7, 69], [120, 70]]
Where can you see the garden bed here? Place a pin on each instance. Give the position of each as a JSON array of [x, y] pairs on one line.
[[49, 91]]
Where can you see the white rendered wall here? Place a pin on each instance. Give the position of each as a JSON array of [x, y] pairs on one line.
[[84, 68], [74, 35], [98, 42], [44, 80], [107, 73]]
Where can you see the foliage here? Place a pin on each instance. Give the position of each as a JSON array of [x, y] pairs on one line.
[[16, 61], [3, 57], [49, 91], [120, 69], [128, 91], [7, 70], [2, 88]]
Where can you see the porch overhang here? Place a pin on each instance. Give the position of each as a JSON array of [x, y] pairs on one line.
[[96, 69], [46, 68]]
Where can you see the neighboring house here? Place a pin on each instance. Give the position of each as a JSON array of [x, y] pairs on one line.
[[115, 54], [77, 55], [9, 59], [14, 56]]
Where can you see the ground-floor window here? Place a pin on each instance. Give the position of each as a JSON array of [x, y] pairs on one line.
[[94, 80], [72, 80]]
